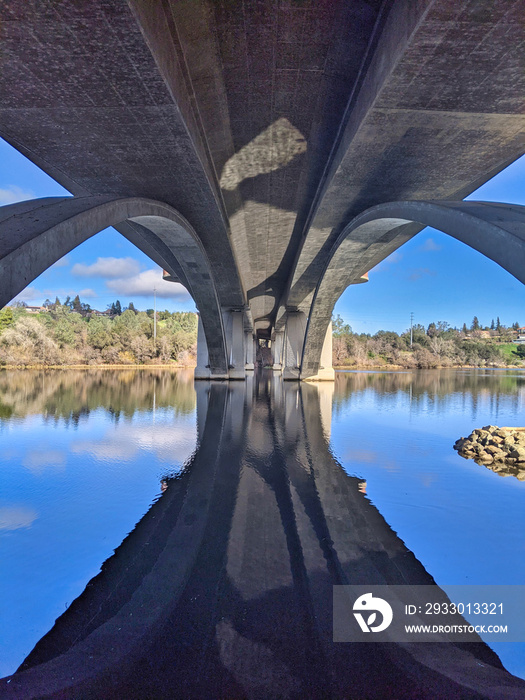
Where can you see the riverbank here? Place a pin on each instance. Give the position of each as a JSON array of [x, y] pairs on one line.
[[100, 366], [393, 368]]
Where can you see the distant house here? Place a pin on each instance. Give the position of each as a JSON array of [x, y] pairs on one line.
[[521, 336], [36, 309]]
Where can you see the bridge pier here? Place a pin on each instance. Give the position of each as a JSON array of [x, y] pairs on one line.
[[277, 351], [202, 370], [325, 372], [249, 351], [235, 347], [234, 332], [288, 352], [293, 345]]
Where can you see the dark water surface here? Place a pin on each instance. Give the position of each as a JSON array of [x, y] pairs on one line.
[[264, 519]]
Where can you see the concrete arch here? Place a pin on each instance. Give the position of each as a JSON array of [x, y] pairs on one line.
[[495, 230], [37, 233]]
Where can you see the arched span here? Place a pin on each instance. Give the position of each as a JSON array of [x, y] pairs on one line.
[[496, 230], [37, 233]]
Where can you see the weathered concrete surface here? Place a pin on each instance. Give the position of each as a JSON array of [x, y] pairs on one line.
[[268, 125], [496, 230], [224, 588], [438, 112]]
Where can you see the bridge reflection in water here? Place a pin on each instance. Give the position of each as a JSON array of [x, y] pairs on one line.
[[224, 588]]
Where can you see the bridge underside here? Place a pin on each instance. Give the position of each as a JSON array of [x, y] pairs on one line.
[[268, 127]]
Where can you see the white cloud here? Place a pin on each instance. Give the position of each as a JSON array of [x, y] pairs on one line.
[[13, 193], [420, 272], [171, 443], [28, 294], [16, 517], [430, 245], [142, 285], [38, 461], [62, 262], [108, 268], [393, 258], [87, 293]]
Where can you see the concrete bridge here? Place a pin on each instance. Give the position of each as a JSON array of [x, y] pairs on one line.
[[258, 528], [266, 154]]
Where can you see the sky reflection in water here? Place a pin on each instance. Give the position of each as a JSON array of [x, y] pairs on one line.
[[82, 458], [465, 523]]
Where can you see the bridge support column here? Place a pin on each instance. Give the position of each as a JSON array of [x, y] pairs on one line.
[[202, 370], [234, 332], [277, 351], [293, 344], [325, 372], [249, 348]]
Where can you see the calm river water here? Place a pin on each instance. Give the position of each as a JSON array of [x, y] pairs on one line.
[[84, 454]]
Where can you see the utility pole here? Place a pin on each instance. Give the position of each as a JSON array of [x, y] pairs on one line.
[[411, 324], [155, 318]]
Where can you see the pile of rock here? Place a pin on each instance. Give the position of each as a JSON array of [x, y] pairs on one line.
[[499, 449]]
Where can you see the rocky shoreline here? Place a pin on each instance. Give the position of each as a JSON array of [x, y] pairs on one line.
[[500, 449]]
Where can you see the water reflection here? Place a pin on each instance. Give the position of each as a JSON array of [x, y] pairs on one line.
[[81, 459], [70, 395], [476, 390], [224, 588]]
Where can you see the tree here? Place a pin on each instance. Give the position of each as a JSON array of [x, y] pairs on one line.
[[498, 324], [432, 330], [340, 328], [131, 307], [464, 329], [492, 326], [6, 318], [76, 304], [475, 324], [57, 302], [443, 326], [115, 308]]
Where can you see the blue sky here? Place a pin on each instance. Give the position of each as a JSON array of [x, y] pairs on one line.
[[434, 276]]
